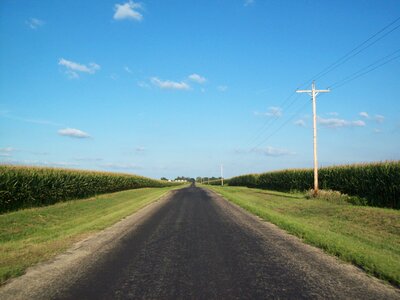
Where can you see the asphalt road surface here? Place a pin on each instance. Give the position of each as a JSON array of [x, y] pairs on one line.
[[197, 245]]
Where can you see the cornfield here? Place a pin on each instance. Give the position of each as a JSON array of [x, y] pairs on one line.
[[22, 187], [378, 183]]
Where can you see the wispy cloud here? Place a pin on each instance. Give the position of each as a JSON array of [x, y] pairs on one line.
[[268, 151], [73, 68], [197, 78], [6, 152], [300, 123], [74, 133], [114, 76], [248, 2], [275, 152], [143, 84], [140, 149], [168, 84], [333, 114], [7, 115], [120, 166], [376, 118], [340, 123], [88, 159], [128, 10], [273, 111], [34, 23], [379, 118], [222, 88], [61, 164], [128, 70]]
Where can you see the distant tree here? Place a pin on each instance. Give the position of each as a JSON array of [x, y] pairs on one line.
[[163, 178]]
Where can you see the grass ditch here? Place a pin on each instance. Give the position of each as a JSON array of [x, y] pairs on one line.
[[368, 237], [30, 236]]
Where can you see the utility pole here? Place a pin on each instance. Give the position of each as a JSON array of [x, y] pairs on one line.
[[222, 175], [313, 93]]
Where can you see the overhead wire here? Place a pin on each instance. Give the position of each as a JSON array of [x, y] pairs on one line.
[[272, 119], [343, 59], [280, 127], [363, 71]]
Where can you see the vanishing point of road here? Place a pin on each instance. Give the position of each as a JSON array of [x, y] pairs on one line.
[[196, 245]]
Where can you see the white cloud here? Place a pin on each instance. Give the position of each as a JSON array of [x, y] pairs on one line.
[[33, 121], [71, 74], [222, 88], [273, 111], [72, 68], [248, 2], [140, 149], [340, 123], [358, 123], [121, 166], [376, 130], [34, 23], [376, 118], [88, 159], [143, 84], [300, 123], [333, 114], [128, 10], [272, 151], [39, 163], [72, 132], [379, 118], [128, 70], [114, 76], [6, 152], [168, 84], [197, 78]]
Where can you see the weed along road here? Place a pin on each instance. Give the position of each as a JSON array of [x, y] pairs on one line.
[[196, 245]]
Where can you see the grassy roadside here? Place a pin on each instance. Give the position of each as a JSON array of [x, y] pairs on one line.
[[368, 237], [33, 235]]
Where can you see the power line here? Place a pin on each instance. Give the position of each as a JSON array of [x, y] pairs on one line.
[[269, 120], [280, 127], [272, 120], [365, 70], [350, 54]]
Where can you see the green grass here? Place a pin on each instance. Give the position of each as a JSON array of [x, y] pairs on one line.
[[33, 235], [368, 237], [378, 183]]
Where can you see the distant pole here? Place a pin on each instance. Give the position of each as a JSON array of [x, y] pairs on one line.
[[313, 93], [222, 175]]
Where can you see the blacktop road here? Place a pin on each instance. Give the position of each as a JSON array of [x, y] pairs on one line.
[[196, 245]]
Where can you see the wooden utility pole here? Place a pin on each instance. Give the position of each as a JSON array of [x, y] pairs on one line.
[[222, 175], [313, 93]]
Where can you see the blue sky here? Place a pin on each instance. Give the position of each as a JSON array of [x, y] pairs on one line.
[[171, 88]]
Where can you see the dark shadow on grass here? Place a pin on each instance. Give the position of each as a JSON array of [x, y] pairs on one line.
[[278, 194]]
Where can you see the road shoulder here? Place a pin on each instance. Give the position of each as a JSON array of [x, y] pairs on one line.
[[47, 279], [313, 258]]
